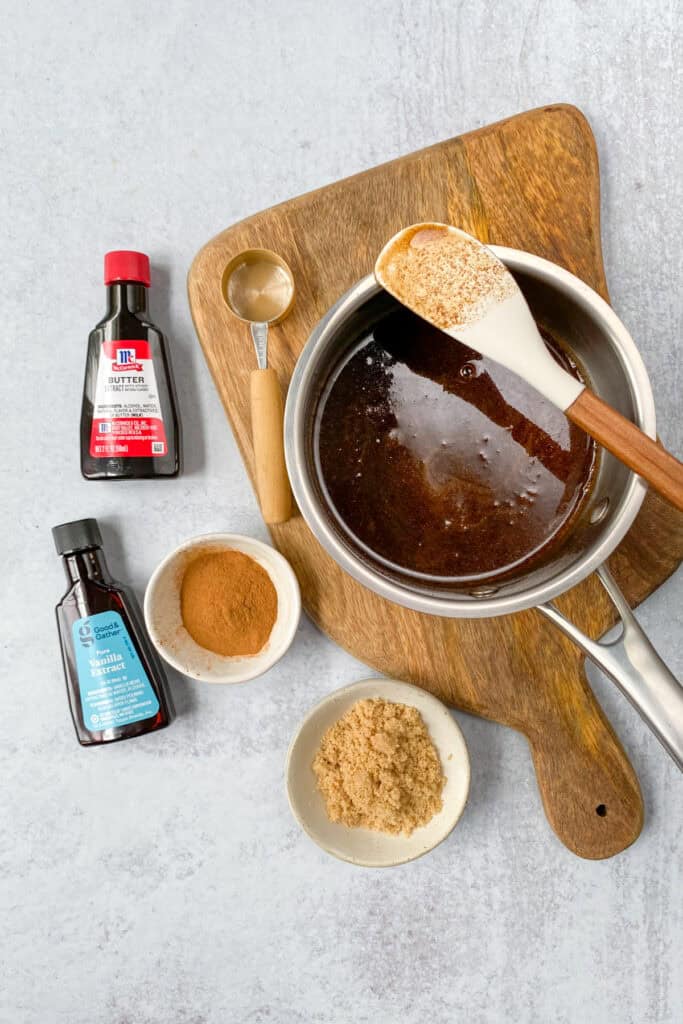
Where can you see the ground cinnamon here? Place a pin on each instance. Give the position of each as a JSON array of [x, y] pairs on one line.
[[228, 603]]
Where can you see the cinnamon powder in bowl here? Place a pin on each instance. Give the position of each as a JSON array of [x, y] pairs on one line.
[[223, 608], [228, 603]]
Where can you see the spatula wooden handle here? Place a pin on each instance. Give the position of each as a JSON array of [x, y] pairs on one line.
[[630, 445], [272, 482]]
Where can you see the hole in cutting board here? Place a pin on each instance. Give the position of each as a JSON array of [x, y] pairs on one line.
[[601, 811]]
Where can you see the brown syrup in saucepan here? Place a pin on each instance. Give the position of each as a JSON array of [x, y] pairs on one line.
[[442, 462]]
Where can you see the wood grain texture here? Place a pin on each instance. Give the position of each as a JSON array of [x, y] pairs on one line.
[[638, 451], [267, 412], [530, 182]]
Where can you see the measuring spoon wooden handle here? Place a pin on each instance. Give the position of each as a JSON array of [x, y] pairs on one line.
[[272, 482], [631, 446]]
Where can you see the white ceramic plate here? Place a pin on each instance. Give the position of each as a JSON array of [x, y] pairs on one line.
[[359, 845], [173, 642]]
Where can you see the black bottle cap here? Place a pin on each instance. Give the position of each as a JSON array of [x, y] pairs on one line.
[[77, 536]]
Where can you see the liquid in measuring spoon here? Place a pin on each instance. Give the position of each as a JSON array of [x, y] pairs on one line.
[[259, 291]]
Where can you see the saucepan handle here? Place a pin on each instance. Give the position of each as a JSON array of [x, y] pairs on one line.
[[634, 665]]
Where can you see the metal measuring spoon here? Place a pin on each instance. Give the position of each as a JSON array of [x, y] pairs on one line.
[[258, 287]]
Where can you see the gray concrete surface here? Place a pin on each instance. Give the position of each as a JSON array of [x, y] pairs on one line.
[[163, 881]]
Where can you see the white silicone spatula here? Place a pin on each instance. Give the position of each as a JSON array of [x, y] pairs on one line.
[[457, 284]]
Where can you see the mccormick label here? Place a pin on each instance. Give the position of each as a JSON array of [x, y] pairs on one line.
[[127, 416]]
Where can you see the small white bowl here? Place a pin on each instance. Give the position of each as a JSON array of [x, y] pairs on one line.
[[359, 845], [164, 620]]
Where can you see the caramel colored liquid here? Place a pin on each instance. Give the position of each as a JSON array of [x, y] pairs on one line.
[[259, 291], [443, 463]]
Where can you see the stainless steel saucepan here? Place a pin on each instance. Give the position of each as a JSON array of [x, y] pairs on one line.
[[574, 312]]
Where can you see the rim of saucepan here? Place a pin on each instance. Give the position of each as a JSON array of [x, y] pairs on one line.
[[458, 605]]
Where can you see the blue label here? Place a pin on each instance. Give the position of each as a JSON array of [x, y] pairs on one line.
[[114, 686]]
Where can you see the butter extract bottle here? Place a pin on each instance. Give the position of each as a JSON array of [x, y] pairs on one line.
[[114, 679], [129, 419]]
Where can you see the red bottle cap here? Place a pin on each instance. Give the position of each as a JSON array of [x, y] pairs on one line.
[[124, 265]]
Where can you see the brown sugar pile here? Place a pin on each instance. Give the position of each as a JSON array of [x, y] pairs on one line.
[[228, 603], [446, 277], [377, 768]]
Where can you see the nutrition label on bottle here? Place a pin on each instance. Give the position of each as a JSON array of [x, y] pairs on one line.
[[127, 414]]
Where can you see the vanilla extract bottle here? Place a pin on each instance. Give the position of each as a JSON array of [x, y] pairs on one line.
[[116, 685]]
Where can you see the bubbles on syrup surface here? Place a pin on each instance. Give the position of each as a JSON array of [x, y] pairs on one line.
[[431, 463]]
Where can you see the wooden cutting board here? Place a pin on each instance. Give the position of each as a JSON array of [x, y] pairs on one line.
[[531, 182]]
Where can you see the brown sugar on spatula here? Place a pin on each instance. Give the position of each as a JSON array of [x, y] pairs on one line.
[[459, 285], [451, 280]]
